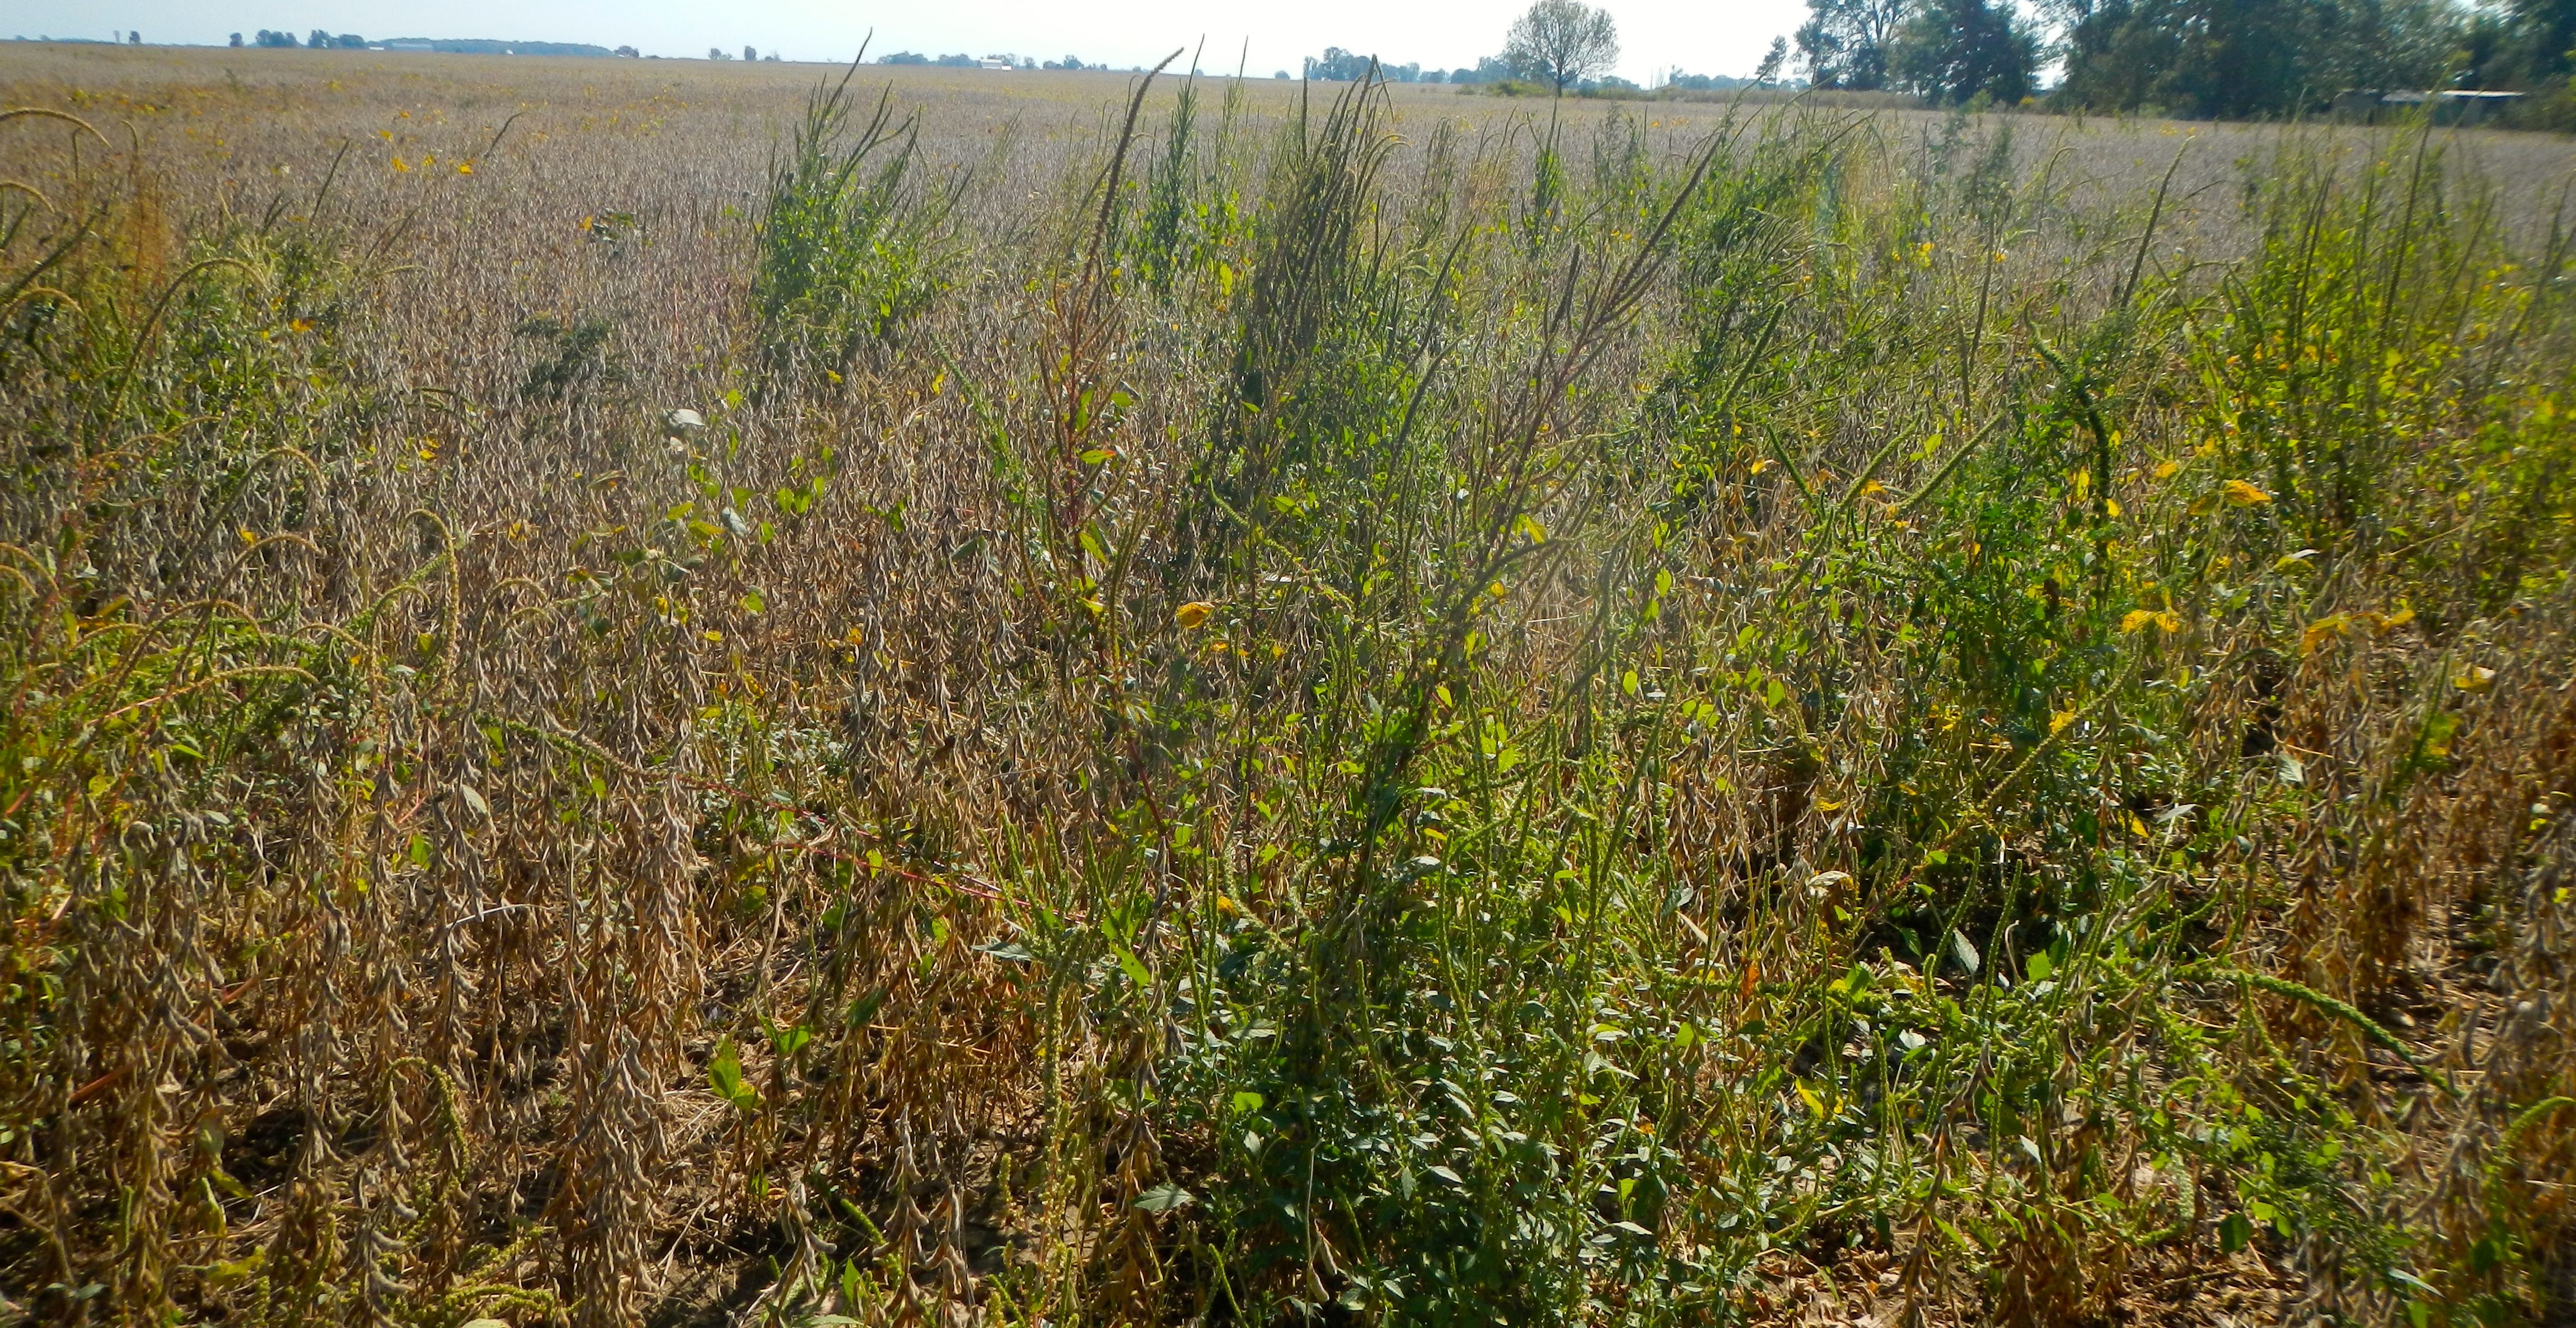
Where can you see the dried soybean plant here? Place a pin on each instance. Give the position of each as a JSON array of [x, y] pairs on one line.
[[1027, 709]]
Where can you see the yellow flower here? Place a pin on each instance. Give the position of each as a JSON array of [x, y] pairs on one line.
[[2243, 494], [465, 168], [401, 165], [1193, 613]]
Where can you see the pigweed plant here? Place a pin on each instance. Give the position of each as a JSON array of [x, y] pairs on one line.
[[1335, 719], [852, 236]]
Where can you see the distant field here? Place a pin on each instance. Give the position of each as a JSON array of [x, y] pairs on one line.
[[641, 691]]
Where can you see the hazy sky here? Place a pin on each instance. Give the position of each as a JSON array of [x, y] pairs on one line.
[[1700, 36]]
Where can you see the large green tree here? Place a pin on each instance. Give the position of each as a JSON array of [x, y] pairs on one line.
[[1563, 42], [1954, 50], [2526, 44], [1845, 43]]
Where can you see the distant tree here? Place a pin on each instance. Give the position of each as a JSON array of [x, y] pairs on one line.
[[717, 53], [961, 60], [1844, 43], [236, 39], [268, 38], [629, 52], [904, 58], [320, 40], [1768, 72], [1281, 74], [1953, 50], [133, 38], [750, 53], [1489, 69], [1562, 42], [1336, 65]]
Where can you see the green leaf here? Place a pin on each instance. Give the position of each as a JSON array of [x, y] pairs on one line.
[[1964, 952], [419, 851], [787, 1041], [2234, 1231], [1164, 1198], [1134, 968], [863, 1011], [724, 1074], [2041, 966], [1247, 1102]]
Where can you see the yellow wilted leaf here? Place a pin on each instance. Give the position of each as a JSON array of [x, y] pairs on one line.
[[401, 165], [465, 168], [1761, 464], [2058, 720], [2111, 506], [2474, 678], [1193, 613], [2243, 494], [2168, 470], [2322, 631]]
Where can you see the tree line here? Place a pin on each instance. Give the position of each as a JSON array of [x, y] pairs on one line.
[[2201, 58]]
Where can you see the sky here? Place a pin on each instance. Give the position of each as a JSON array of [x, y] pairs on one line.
[[1655, 36]]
